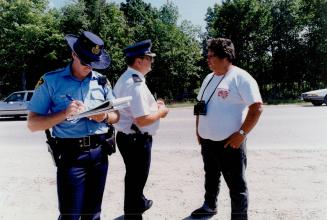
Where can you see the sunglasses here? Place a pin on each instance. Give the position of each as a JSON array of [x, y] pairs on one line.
[[82, 62]]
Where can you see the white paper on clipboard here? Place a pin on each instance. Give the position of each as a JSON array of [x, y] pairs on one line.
[[107, 106]]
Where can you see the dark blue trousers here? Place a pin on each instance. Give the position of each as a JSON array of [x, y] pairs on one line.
[[231, 163], [136, 153], [81, 178]]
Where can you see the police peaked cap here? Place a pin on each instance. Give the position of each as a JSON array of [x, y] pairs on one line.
[[90, 49], [142, 48]]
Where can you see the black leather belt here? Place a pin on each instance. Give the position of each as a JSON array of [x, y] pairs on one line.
[[146, 134], [88, 142]]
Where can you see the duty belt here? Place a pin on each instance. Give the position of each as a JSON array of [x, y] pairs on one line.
[[84, 143]]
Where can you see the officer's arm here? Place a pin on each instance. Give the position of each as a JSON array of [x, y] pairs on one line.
[[149, 119], [36, 122]]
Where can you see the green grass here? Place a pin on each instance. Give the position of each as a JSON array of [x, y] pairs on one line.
[[266, 102], [180, 104], [283, 101]]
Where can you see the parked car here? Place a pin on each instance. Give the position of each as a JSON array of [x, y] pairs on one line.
[[16, 104], [316, 97]]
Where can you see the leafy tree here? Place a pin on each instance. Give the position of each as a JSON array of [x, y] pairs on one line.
[[313, 16], [117, 35], [175, 70], [168, 13], [281, 43], [29, 40], [107, 21], [247, 24], [74, 18]]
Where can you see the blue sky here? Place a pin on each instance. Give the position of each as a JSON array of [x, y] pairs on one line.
[[192, 10]]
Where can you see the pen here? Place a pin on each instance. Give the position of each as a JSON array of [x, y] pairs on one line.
[[69, 97]]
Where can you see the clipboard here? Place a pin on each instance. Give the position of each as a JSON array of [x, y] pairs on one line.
[[107, 106]]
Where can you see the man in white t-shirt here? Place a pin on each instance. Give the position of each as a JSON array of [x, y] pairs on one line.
[[137, 124], [229, 106]]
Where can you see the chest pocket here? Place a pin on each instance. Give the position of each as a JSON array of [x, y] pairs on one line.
[[97, 94], [60, 102], [96, 98]]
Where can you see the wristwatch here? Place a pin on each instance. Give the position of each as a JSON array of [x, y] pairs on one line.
[[106, 119], [242, 132]]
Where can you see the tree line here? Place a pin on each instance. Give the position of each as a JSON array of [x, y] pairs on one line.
[[281, 43]]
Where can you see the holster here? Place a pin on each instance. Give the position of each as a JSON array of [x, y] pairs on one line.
[[109, 144], [139, 136], [52, 147]]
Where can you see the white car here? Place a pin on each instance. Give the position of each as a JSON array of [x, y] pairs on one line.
[[316, 97], [16, 104]]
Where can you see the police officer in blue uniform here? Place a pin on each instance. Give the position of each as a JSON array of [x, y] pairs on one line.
[[82, 161], [137, 124]]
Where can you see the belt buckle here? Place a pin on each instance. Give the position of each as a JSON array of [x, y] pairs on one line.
[[87, 141]]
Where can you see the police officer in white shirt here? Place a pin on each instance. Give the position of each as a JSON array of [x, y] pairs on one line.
[[138, 123], [229, 106]]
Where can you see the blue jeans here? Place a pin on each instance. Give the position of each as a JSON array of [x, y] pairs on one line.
[[231, 163], [81, 178]]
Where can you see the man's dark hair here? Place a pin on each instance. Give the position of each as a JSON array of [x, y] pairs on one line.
[[222, 48], [130, 60]]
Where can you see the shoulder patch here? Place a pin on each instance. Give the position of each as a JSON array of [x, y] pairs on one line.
[[136, 78], [40, 82]]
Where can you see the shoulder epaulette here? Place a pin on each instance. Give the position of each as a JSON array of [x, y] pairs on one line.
[[136, 78]]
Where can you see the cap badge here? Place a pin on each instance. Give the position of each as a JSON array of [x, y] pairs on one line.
[[96, 49]]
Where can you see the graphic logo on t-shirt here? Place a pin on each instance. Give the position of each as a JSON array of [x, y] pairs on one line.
[[223, 93]]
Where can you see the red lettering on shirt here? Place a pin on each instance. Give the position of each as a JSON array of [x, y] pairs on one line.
[[223, 93]]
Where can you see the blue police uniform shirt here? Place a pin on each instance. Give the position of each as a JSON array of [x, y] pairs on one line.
[[51, 97]]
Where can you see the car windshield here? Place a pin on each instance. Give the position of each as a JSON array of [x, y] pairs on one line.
[[16, 97]]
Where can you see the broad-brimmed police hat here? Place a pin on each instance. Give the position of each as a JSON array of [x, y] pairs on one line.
[[89, 48], [142, 48]]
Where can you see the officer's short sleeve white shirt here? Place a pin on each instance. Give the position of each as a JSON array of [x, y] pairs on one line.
[[132, 83]]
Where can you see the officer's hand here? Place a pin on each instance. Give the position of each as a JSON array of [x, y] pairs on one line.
[[163, 111], [198, 137], [99, 117], [74, 108], [235, 140], [160, 103]]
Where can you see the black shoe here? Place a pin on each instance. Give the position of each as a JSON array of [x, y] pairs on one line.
[[136, 213], [133, 217], [204, 211], [148, 205]]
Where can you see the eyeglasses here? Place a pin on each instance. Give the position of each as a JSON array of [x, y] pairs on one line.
[[151, 59]]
